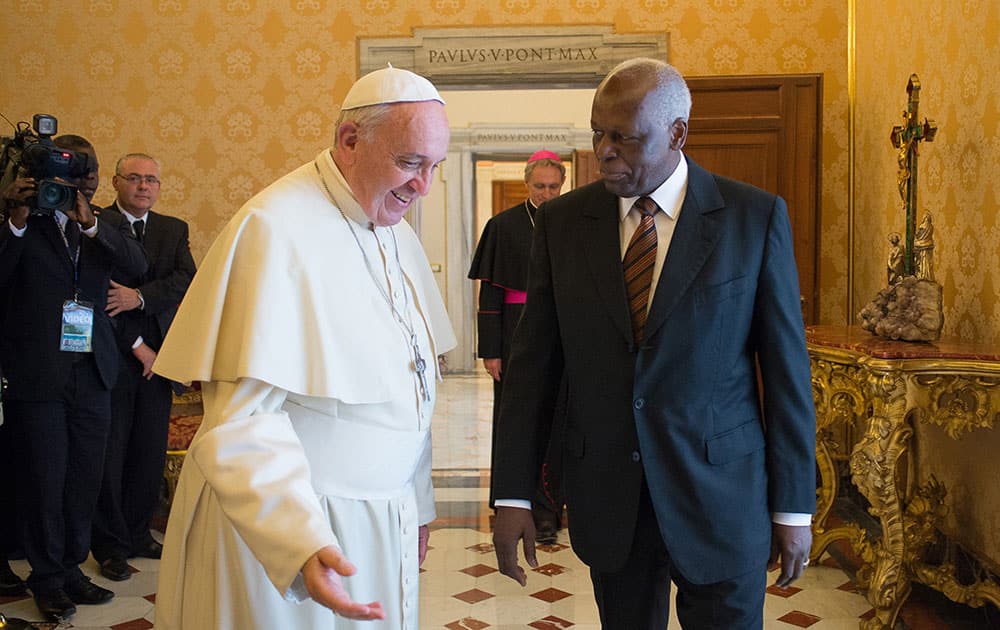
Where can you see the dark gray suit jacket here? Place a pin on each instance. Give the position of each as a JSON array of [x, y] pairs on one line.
[[685, 409], [163, 285]]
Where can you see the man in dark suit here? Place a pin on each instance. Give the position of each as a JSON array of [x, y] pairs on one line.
[[143, 307], [10, 582], [54, 269], [681, 463]]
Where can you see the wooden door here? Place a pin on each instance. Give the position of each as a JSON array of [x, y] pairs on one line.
[[507, 193], [764, 130]]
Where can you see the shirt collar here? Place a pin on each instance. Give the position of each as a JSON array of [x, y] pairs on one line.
[[668, 196], [343, 196], [128, 215]]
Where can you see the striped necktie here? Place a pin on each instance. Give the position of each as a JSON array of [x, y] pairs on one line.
[[640, 256]]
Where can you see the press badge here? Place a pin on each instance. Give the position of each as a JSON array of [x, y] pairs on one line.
[[77, 327]]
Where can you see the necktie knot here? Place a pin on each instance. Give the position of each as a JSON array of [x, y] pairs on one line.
[[138, 227], [646, 206]]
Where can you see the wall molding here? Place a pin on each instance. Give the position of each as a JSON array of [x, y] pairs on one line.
[[494, 57]]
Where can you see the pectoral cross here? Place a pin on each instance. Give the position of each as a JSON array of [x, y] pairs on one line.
[[906, 137], [420, 367]]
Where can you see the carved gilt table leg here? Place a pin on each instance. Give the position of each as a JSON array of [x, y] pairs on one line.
[[838, 395], [874, 469]]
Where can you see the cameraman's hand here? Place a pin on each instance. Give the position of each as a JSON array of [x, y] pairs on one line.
[[82, 213], [16, 195], [122, 298]]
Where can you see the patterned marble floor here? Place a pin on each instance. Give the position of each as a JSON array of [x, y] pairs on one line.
[[460, 586]]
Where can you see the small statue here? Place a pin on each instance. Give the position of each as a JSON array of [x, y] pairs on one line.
[[895, 265], [923, 249]]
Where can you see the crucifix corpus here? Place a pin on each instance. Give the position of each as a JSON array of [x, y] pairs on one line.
[[906, 139]]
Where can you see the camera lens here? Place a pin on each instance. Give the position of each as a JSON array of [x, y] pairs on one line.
[[55, 196]]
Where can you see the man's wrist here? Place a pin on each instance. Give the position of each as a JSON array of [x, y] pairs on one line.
[[524, 504]]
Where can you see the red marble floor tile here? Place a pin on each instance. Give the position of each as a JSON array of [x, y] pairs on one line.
[[483, 548], [553, 548], [150, 598], [468, 623], [550, 569], [851, 587], [478, 570], [774, 589], [551, 595], [550, 623], [868, 615], [799, 619], [473, 596], [135, 624]]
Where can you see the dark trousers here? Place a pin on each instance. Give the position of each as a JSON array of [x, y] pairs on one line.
[[60, 447], [133, 464], [9, 544], [638, 596]]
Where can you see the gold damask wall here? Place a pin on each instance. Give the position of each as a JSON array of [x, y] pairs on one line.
[[955, 50], [954, 47], [230, 94]]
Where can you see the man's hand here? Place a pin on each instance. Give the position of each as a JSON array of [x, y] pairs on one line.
[[423, 537], [121, 299], [16, 197], [790, 545], [513, 524], [146, 356], [82, 213], [322, 574], [493, 367]]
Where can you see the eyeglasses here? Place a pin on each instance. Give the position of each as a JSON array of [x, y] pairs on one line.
[[135, 178]]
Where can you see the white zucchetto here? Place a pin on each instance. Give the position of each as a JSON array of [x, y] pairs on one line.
[[390, 85]]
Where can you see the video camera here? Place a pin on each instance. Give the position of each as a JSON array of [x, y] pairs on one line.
[[34, 155]]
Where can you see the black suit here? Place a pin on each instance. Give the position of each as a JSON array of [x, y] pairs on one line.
[[666, 440], [58, 403], [140, 407]]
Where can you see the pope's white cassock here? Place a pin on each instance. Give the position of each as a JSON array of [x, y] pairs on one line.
[[316, 427]]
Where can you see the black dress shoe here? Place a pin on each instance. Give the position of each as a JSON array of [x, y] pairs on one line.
[[55, 605], [116, 568], [10, 584], [151, 549], [86, 592]]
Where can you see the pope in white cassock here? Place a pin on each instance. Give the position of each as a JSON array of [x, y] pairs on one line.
[[314, 324]]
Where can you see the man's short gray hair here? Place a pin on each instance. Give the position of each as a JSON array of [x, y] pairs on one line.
[[673, 96], [139, 156], [366, 118], [531, 166]]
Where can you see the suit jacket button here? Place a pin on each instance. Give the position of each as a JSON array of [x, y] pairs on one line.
[[635, 456], [639, 403]]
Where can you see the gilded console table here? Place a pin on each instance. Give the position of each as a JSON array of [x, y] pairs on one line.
[[888, 385]]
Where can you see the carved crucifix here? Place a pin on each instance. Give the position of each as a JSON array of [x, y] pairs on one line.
[[906, 138]]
